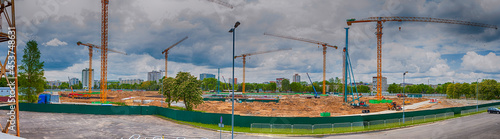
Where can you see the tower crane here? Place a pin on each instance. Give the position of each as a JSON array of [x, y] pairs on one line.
[[104, 51], [381, 20], [325, 45], [166, 53], [91, 47], [243, 56]]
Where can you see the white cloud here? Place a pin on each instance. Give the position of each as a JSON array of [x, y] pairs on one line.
[[475, 62], [55, 42]]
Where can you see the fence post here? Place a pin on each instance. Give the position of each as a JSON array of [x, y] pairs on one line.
[[271, 127], [368, 125], [424, 118], [411, 120], [435, 118], [292, 128], [384, 124], [312, 128], [351, 126], [399, 121], [251, 125], [332, 126]]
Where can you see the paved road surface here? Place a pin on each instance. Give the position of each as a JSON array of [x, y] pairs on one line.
[[58, 125], [480, 126]]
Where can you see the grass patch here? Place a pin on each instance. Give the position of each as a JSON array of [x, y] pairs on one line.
[[327, 128]]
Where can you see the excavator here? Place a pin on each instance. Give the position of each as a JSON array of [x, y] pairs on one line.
[[394, 106]]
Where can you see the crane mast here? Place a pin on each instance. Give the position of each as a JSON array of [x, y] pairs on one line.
[[104, 51], [325, 45], [379, 33]]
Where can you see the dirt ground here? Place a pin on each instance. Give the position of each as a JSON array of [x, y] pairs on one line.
[[288, 106], [296, 106], [118, 96]]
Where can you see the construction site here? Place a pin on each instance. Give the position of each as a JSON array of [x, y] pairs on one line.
[[293, 105], [357, 108]]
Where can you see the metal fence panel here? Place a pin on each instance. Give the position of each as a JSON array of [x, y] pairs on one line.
[[358, 125], [340, 127], [302, 128], [418, 119], [322, 128], [261, 127], [287, 128], [392, 122]]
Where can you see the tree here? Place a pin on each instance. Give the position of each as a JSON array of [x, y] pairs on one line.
[[296, 87], [209, 84], [64, 85], [465, 90], [272, 87], [285, 85], [187, 88], [168, 89], [488, 89], [31, 75], [393, 88], [450, 90]]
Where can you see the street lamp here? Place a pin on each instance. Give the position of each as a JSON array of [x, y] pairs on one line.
[[232, 30], [477, 97], [404, 95]]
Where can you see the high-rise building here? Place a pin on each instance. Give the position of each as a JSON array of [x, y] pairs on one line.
[[231, 81], [85, 77], [206, 75], [296, 78], [384, 84], [73, 81], [154, 76]]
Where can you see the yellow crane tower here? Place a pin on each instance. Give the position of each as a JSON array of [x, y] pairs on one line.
[[104, 51], [325, 45], [381, 20], [243, 56], [166, 53], [91, 46]]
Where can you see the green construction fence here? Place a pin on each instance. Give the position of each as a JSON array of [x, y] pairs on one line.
[[214, 118]]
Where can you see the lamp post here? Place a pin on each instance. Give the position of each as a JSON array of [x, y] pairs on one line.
[[477, 96], [404, 95], [232, 30]]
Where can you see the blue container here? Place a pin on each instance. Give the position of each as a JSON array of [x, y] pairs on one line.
[[43, 99]]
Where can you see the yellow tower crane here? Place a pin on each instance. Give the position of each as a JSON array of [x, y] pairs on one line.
[[104, 51], [381, 20], [166, 53], [243, 56], [325, 45], [91, 46]]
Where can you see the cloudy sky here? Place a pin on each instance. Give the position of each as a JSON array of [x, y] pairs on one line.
[[431, 52]]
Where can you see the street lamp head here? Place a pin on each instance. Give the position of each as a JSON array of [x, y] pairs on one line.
[[236, 24], [231, 30], [405, 72]]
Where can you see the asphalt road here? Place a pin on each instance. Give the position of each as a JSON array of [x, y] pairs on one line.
[[58, 125], [480, 126]]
